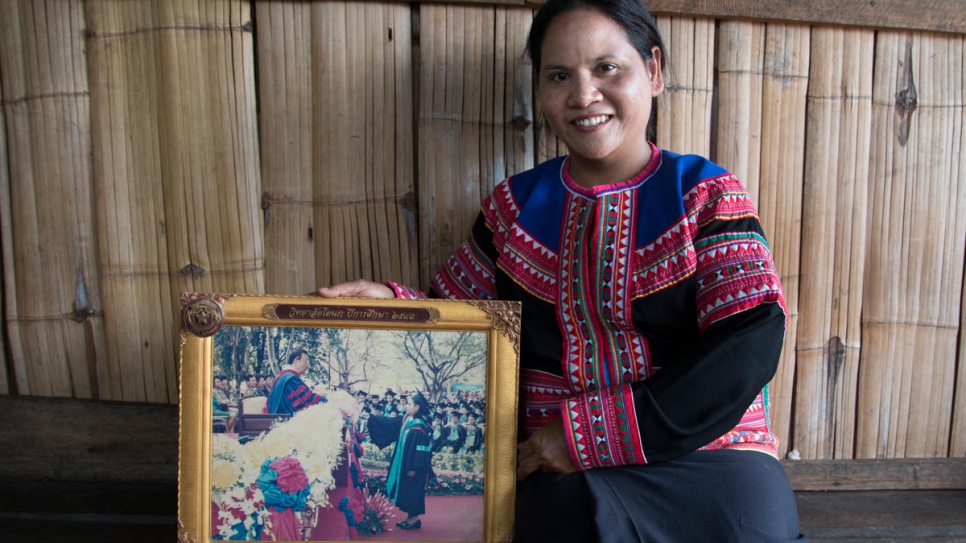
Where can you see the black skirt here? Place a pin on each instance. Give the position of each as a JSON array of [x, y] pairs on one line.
[[707, 496]]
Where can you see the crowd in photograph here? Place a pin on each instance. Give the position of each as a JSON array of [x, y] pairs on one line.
[[457, 421]]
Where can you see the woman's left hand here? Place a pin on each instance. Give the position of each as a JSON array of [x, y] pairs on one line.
[[545, 450]]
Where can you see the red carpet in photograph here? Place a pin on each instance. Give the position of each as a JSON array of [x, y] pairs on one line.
[[447, 518]]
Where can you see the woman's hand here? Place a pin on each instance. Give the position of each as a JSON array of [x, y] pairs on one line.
[[545, 450], [358, 288]]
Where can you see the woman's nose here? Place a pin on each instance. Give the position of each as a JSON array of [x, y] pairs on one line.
[[584, 92]]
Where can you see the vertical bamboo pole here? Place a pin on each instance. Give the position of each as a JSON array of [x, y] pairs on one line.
[[362, 143], [52, 294], [957, 175], [833, 241], [175, 173], [684, 111], [285, 71], [740, 51], [785, 87], [7, 374], [453, 161], [916, 241]]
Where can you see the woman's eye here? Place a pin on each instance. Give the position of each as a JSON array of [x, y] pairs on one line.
[[608, 67], [558, 77]]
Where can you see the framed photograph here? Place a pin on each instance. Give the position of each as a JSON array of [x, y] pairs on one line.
[[350, 419]]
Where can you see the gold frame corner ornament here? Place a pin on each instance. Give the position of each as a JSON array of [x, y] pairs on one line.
[[202, 315], [505, 317]]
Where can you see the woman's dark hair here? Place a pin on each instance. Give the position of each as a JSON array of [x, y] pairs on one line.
[[420, 401], [631, 15]]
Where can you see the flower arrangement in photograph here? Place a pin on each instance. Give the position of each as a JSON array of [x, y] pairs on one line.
[[288, 468], [370, 516]]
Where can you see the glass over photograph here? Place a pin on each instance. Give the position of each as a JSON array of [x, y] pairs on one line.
[[332, 434]]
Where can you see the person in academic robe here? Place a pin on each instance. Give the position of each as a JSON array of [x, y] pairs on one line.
[[412, 457], [289, 393]]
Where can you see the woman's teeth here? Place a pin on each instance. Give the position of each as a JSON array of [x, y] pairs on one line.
[[592, 121]]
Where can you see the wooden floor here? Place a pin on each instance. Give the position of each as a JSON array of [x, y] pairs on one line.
[[86, 472]]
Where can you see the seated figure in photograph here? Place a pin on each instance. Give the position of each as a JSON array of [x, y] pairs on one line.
[[411, 460]]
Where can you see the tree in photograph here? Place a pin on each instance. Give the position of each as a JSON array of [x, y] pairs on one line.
[[231, 345], [347, 355], [442, 358]]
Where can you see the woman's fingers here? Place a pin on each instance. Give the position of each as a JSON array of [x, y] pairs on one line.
[[545, 450], [358, 288]]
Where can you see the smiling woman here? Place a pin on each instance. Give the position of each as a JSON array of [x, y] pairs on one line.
[[653, 315]]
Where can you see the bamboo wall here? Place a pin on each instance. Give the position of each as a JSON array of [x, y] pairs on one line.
[[149, 148]]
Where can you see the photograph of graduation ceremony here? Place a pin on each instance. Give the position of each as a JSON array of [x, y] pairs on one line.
[[327, 434]]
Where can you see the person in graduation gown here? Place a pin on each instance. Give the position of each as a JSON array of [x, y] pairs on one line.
[[411, 459]]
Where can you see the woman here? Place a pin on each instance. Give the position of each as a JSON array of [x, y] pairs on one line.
[[411, 459], [652, 319]]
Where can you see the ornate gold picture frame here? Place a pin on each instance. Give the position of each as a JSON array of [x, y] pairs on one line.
[[311, 419]]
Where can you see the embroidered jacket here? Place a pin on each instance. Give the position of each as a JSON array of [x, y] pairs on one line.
[[653, 317]]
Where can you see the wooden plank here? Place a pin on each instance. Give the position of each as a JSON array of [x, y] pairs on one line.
[[85, 440], [684, 108], [895, 516], [877, 474], [784, 88], [927, 15], [49, 254], [833, 242], [917, 186]]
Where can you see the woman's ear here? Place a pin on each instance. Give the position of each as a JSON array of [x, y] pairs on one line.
[[654, 71]]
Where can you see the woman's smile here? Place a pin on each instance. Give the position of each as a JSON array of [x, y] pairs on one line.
[[594, 121]]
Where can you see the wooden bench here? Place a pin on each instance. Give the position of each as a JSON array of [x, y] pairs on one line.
[[83, 471]]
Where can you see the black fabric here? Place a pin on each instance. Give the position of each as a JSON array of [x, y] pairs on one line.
[[707, 496], [554, 507], [384, 431]]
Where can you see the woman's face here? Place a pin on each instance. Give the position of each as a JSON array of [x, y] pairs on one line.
[[411, 407], [595, 91]]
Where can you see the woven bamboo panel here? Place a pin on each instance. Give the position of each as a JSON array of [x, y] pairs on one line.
[[918, 194], [338, 186], [176, 174], [740, 52], [285, 92], [51, 286], [833, 241], [684, 111], [377, 130], [468, 79]]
